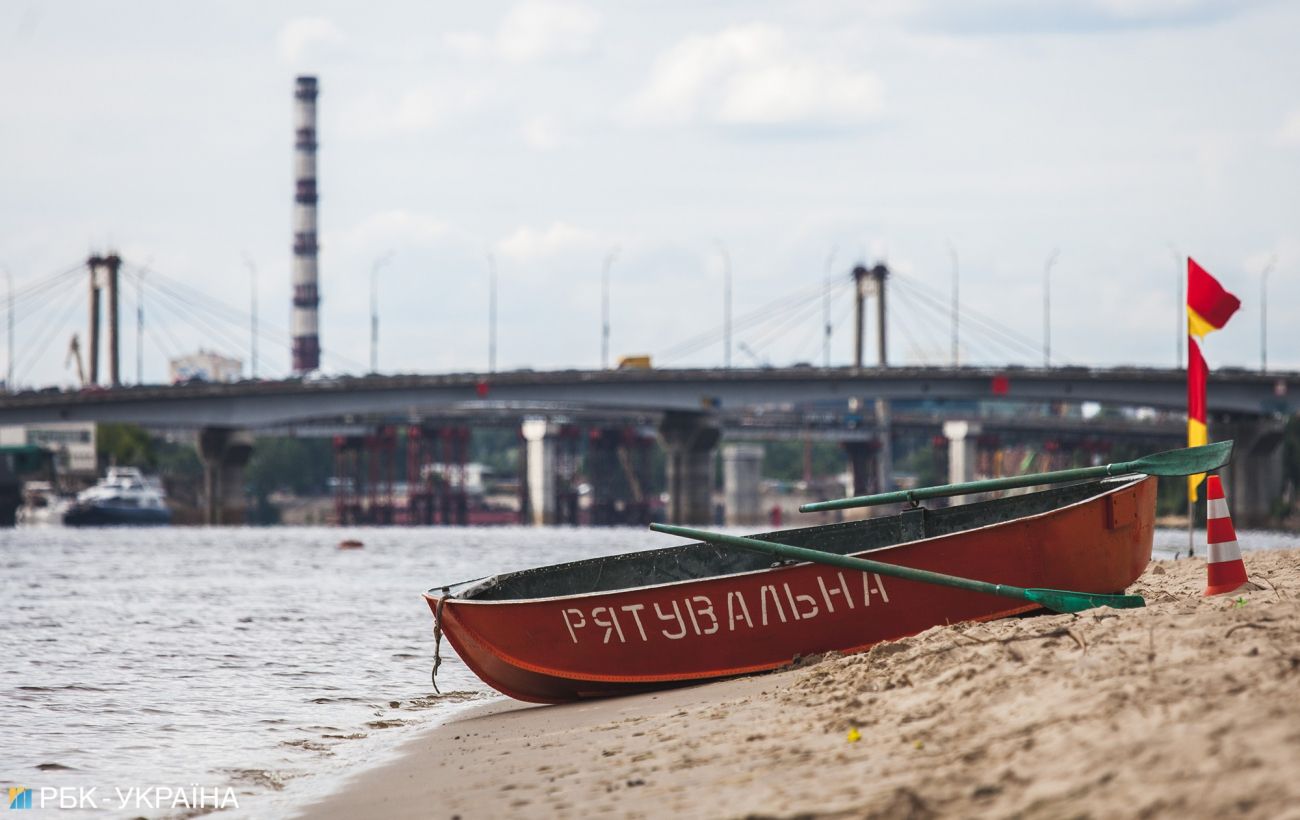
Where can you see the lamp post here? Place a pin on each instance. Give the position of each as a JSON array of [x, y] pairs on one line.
[[1047, 307], [139, 326], [604, 308], [826, 308], [956, 358], [252, 325], [1181, 323], [492, 313], [9, 369], [726, 304], [374, 309], [1263, 314]]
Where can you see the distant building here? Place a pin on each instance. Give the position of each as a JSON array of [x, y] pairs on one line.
[[206, 366], [72, 442]]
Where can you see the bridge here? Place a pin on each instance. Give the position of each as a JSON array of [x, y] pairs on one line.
[[691, 407], [257, 404], [867, 409]]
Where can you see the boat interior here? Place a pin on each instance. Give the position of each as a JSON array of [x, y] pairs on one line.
[[699, 560]]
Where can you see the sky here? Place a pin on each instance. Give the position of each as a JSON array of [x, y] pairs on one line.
[[999, 144]]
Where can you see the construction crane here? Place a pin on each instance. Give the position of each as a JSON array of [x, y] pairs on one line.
[[74, 352]]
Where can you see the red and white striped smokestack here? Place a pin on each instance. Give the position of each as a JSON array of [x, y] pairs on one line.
[[306, 335]]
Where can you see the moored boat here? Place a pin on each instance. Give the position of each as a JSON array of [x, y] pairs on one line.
[[123, 498], [42, 505], [626, 623]]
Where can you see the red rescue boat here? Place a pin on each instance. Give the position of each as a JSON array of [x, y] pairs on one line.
[[645, 620]]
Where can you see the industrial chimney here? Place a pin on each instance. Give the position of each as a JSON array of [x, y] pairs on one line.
[[306, 338]]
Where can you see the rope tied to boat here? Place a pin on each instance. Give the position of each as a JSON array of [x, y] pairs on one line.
[[437, 638]]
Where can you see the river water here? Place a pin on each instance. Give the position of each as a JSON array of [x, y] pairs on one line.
[[259, 665]]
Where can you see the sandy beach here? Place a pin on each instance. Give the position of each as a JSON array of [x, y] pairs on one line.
[[1189, 707]]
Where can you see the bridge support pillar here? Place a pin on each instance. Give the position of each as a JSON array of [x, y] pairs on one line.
[[689, 441], [539, 474], [550, 464], [617, 465], [1254, 479], [224, 452], [861, 468], [884, 423], [963, 456], [742, 473]]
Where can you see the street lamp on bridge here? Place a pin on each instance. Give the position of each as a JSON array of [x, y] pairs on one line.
[[1047, 306], [1263, 314], [604, 308], [374, 309]]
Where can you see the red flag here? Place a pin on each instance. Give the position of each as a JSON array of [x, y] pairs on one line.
[[1209, 306]]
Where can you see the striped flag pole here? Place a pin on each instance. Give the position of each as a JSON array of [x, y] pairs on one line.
[[1209, 307], [1197, 427]]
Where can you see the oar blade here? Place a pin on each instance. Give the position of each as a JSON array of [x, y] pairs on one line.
[[1059, 600], [1188, 461]]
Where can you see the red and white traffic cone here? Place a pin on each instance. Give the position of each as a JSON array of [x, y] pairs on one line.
[[1226, 570]]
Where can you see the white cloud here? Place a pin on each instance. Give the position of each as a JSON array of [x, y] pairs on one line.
[[1289, 133], [308, 38], [989, 16], [536, 29], [393, 229], [753, 75], [415, 110], [1147, 9], [528, 243], [468, 43], [543, 133], [532, 30]]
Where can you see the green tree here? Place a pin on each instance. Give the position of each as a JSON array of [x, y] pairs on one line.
[[783, 460], [125, 445], [297, 465], [496, 447], [177, 460], [923, 462]]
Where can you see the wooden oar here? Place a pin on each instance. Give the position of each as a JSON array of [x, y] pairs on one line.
[[1057, 600], [1188, 461]]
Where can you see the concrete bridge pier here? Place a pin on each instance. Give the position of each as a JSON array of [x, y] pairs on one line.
[[742, 474], [1253, 481], [963, 452], [862, 469], [550, 462], [689, 441], [539, 470], [618, 466], [224, 451]]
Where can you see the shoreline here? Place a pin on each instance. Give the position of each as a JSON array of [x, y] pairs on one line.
[[1185, 707]]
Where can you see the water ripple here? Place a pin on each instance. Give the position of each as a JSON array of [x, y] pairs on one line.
[[263, 660]]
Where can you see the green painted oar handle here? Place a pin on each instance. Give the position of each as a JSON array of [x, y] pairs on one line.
[[1187, 461], [987, 485], [1057, 600]]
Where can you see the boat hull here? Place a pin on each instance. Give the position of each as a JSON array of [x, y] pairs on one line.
[[92, 515], [557, 649]]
